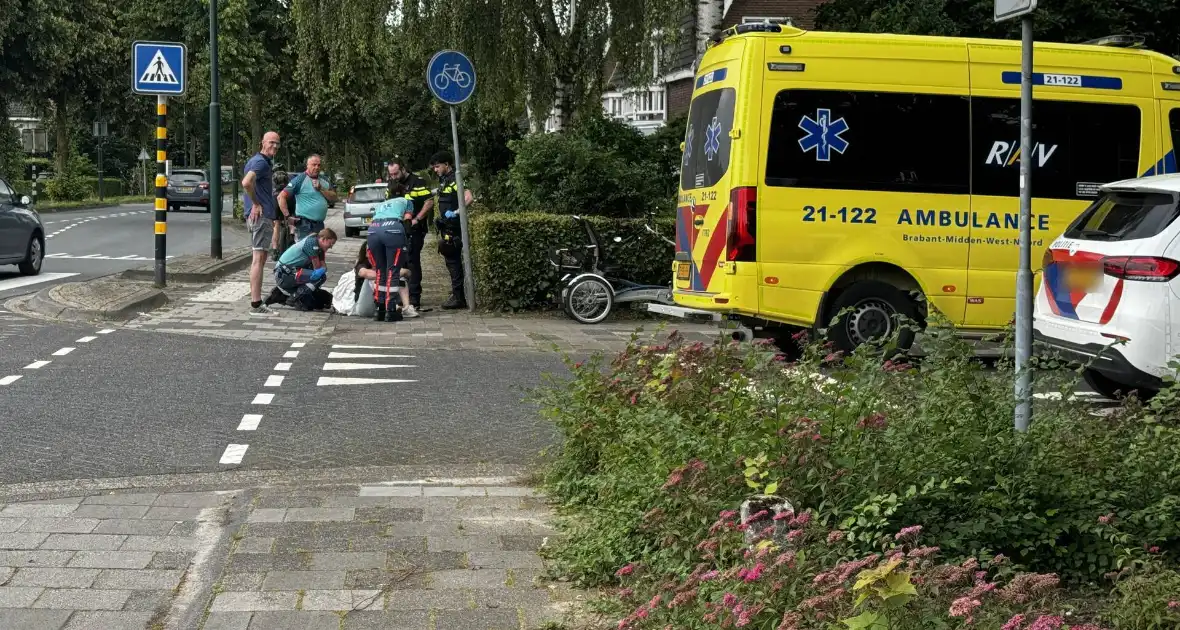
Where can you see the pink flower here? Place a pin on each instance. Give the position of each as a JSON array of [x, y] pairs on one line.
[[729, 600], [794, 535], [964, 606], [709, 575], [1173, 605], [1106, 519], [835, 536], [1014, 623], [1047, 622], [1153, 549], [750, 575], [874, 421], [907, 532], [627, 570], [802, 519], [922, 552]]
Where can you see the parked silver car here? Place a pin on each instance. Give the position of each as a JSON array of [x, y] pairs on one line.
[[22, 235], [188, 188], [362, 200]]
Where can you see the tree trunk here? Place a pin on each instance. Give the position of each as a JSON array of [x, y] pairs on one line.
[[709, 16], [61, 130], [255, 119]]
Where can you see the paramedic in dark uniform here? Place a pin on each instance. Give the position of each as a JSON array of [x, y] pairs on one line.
[[387, 247], [450, 243], [404, 183]]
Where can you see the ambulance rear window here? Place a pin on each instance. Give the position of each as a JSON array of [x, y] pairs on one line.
[[1125, 216], [706, 142]]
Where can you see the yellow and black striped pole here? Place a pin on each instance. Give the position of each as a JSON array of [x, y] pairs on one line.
[[161, 188]]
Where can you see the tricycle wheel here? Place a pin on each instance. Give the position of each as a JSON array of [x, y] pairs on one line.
[[589, 299]]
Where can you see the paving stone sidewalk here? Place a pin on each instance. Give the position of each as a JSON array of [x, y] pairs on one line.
[[384, 555], [221, 311]]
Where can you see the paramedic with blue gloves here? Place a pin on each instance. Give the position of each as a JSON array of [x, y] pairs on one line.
[[387, 247], [450, 242], [300, 271]]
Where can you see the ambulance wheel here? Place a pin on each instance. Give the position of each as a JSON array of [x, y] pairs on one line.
[[589, 300], [874, 309], [1113, 390]]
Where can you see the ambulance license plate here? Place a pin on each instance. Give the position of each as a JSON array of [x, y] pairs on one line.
[[1084, 279], [682, 271]]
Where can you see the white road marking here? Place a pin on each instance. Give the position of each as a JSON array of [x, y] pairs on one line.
[[106, 331], [274, 380], [263, 399], [328, 367], [282, 367], [347, 347], [36, 365], [8, 380], [16, 283], [86, 339], [298, 344], [337, 380], [132, 257], [290, 354], [234, 453], [355, 355], [63, 352], [250, 422]]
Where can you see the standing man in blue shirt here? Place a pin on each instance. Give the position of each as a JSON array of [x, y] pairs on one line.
[[261, 211], [312, 192]]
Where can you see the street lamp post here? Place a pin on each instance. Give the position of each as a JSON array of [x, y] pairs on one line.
[[214, 138]]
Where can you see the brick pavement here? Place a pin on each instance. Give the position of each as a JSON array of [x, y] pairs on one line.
[[220, 311], [457, 555]]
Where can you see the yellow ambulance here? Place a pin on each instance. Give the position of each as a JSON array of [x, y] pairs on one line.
[[879, 173]]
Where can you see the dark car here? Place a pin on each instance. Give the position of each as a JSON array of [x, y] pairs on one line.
[[188, 189], [22, 235]]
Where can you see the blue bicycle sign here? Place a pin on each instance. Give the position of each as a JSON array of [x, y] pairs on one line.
[[450, 76]]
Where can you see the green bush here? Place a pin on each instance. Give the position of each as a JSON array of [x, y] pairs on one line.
[[662, 439], [598, 167], [112, 186], [512, 250], [68, 188]]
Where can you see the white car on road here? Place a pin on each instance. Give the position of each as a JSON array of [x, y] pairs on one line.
[[358, 208], [1109, 294]]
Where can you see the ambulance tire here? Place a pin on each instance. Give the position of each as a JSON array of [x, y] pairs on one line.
[[1113, 390], [874, 310]]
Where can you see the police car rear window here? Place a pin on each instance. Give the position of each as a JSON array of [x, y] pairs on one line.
[[369, 195], [707, 142], [1125, 216]]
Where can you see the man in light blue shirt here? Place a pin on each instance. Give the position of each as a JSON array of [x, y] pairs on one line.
[[311, 192]]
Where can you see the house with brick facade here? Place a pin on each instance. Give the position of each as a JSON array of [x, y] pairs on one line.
[[647, 108]]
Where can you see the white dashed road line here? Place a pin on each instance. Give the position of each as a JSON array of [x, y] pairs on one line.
[[234, 453], [86, 339], [338, 380], [250, 422], [262, 399], [8, 380], [63, 352], [282, 367], [273, 380], [36, 365]]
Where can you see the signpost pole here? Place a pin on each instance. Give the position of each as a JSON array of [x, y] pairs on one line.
[[1024, 279], [465, 232], [214, 138], [161, 189]]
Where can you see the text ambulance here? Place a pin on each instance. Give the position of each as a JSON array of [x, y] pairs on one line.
[[879, 173]]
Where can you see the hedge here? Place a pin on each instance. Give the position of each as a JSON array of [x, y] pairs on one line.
[[511, 254]]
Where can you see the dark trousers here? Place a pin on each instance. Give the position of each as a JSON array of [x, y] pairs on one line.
[[414, 264], [455, 267], [388, 249]]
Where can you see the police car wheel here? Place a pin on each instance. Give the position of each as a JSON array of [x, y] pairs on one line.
[[589, 300], [874, 314], [1113, 390]]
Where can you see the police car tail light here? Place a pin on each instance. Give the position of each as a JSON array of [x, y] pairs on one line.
[[743, 205], [204, 185], [1144, 268]]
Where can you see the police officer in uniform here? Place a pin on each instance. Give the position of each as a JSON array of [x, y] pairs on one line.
[[450, 244], [404, 183]]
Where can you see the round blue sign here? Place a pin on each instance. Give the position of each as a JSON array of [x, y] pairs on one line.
[[450, 75]]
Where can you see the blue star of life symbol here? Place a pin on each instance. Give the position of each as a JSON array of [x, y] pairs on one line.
[[713, 139], [823, 135]]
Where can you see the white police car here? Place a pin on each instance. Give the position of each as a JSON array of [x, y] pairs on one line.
[[1109, 293]]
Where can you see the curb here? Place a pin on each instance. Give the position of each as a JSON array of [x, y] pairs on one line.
[[94, 206], [232, 263], [43, 303]]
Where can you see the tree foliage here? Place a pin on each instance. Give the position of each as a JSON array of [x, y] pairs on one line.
[[1062, 21]]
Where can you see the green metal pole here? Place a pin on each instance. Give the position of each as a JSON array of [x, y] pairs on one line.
[[214, 138]]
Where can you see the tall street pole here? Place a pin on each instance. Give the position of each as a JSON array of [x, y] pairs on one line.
[[1024, 278], [214, 138]]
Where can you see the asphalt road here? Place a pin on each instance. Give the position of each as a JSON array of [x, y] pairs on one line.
[[86, 244], [125, 403]]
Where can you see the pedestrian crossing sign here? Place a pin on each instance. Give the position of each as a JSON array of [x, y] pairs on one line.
[[159, 68]]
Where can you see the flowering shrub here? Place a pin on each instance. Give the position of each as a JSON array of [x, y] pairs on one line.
[[880, 459]]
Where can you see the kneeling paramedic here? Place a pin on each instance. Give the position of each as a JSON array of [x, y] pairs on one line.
[[300, 271], [387, 247]]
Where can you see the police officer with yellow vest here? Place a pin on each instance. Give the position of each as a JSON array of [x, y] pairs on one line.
[[450, 243], [404, 183]]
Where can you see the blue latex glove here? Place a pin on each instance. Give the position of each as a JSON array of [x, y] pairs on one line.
[[319, 274], [450, 214]]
